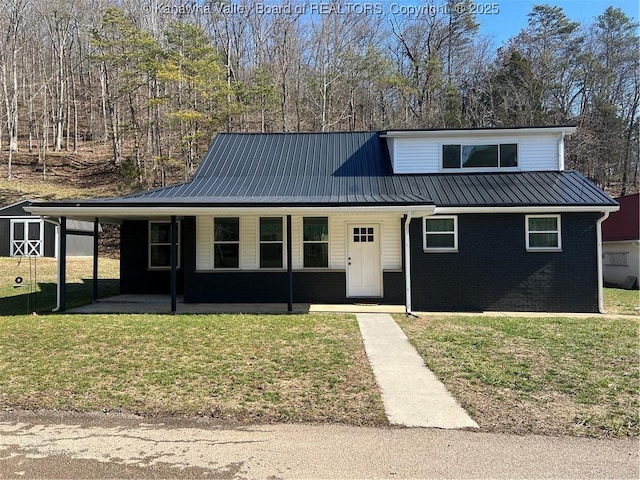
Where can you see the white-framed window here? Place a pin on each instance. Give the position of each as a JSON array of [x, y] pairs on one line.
[[226, 242], [315, 242], [498, 155], [27, 237], [542, 233], [160, 244], [440, 233], [271, 239]]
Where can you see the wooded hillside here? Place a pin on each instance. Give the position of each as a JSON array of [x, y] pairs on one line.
[[147, 85]]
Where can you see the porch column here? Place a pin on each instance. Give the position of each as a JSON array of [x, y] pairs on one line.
[[174, 262], [289, 265], [95, 260], [62, 265], [407, 262]]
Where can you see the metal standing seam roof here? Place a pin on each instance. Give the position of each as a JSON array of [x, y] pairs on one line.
[[348, 169]]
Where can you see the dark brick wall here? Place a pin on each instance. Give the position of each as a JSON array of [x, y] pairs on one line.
[[493, 271], [272, 287], [135, 276]]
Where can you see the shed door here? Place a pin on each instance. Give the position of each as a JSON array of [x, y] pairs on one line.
[[27, 238], [364, 275]]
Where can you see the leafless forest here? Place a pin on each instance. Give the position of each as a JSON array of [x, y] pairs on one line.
[[150, 83]]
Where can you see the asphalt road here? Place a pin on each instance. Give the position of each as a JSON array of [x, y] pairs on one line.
[[48, 445]]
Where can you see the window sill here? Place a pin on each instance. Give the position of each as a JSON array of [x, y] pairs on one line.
[[544, 250], [440, 250]]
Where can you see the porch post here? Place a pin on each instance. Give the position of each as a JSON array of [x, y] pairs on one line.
[[95, 259], [407, 263], [174, 262], [289, 265], [62, 259]]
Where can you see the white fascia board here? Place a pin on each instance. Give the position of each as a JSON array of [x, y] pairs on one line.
[[79, 212], [479, 132], [533, 209]]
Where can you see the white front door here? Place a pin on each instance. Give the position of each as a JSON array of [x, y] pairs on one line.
[[364, 275]]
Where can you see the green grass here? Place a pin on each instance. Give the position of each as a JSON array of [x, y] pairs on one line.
[[37, 292], [623, 302], [237, 367], [577, 376]]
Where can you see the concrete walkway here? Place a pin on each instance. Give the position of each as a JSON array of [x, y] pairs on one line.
[[412, 395]]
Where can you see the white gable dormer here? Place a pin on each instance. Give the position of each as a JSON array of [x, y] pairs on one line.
[[477, 150]]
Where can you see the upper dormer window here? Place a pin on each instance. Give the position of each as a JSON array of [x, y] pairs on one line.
[[480, 156]]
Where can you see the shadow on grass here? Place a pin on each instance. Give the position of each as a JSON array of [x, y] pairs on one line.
[[43, 299]]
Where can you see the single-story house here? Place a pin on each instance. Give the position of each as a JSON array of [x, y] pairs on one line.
[[25, 234], [436, 220], [621, 247]]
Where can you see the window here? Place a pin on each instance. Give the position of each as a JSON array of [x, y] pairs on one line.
[[616, 259], [160, 244], [440, 234], [543, 232], [226, 242], [363, 235], [480, 156], [315, 242], [271, 244]]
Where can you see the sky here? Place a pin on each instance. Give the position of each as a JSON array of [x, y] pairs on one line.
[[512, 14]]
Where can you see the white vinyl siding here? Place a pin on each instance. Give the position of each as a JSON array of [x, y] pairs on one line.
[[390, 234], [248, 242], [537, 152], [416, 155], [204, 243]]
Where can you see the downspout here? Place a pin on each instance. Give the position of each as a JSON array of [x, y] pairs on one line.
[[599, 253], [407, 264]]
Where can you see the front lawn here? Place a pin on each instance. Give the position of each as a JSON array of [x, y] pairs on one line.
[[576, 376], [37, 291], [259, 368], [622, 302]]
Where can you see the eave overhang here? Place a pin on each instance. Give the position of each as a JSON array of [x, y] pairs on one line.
[[114, 213], [448, 133]]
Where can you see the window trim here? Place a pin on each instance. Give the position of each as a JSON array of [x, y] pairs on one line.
[[214, 242], [440, 249], [558, 218], [283, 242], [149, 244], [461, 168], [305, 242]]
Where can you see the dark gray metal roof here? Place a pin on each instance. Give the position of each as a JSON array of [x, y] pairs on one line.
[[348, 169]]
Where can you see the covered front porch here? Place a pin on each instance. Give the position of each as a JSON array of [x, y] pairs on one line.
[[158, 303]]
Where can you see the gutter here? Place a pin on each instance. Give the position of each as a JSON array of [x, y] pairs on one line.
[[407, 264], [604, 216]]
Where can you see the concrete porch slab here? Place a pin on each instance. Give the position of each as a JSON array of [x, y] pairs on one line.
[[161, 304]]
